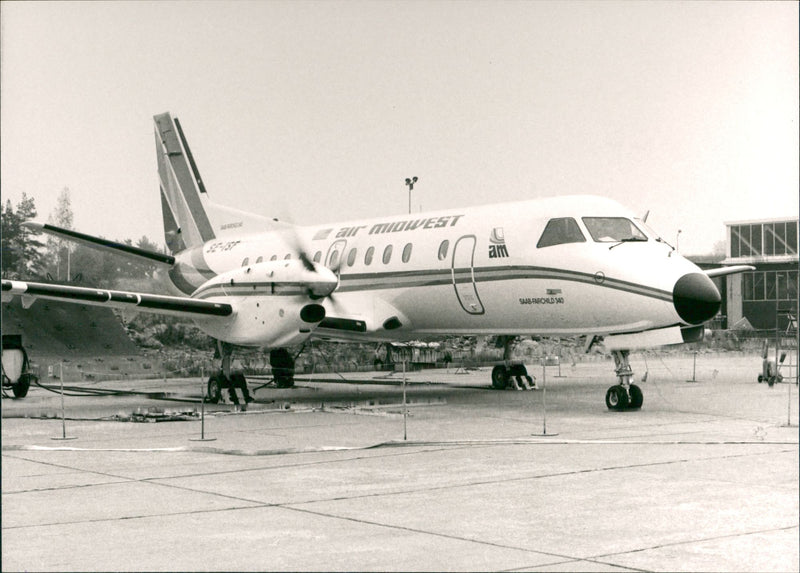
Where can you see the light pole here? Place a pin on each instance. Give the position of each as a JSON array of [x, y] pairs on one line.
[[410, 183]]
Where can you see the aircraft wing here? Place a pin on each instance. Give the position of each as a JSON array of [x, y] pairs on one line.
[[159, 304], [98, 243]]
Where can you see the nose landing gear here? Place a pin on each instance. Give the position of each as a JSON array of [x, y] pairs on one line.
[[624, 395]]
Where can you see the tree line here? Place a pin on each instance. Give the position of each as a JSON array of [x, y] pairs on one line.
[[27, 256]]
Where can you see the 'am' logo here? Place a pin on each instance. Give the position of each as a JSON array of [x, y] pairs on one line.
[[497, 248]]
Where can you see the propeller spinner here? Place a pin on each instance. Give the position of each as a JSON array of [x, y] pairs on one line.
[[326, 280]]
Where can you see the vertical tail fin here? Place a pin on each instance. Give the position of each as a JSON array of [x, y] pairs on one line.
[[183, 195]]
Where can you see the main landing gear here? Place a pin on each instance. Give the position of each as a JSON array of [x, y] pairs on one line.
[[281, 361], [282, 364], [513, 374], [624, 395], [225, 378], [507, 373]]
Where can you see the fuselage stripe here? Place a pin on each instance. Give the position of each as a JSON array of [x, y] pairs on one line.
[[440, 277]]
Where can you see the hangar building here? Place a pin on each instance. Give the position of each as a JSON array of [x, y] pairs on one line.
[[767, 296]]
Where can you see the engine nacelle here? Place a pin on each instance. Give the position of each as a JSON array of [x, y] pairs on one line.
[[275, 303]]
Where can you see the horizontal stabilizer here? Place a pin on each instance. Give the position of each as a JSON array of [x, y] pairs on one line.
[[141, 255], [722, 271], [159, 304]]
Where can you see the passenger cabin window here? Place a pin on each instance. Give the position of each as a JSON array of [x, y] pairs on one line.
[[287, 257], [613, 229], [351, 257], [245, 261], [407, 252], [443, 249], [317, 256], [387, 254], [334, 259], [559, 232], [259, 259], [368, 256], [274, 258]]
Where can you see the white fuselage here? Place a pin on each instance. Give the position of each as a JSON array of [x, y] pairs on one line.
[[470, 271]]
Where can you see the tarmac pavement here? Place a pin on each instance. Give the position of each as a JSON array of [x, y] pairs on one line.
[[703, 478]]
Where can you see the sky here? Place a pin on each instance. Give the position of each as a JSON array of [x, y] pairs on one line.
[[317, 111]]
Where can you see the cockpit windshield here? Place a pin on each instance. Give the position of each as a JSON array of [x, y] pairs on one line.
[[613, 229], [561, 231]]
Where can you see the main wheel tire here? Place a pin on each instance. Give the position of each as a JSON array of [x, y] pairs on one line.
[[499, 377], [637, 397], [616, 398], [214, 394]]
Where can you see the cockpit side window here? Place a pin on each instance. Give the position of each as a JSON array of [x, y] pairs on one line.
[[613, 229], [561, 231]]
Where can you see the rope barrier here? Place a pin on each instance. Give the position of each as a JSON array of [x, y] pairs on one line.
[[409, 444]]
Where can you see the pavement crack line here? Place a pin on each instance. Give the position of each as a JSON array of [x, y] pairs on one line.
[[257, 504], [536, 477], [254, 503], [449, 536], [157, 480], [133, 517], [697, 540], [576, 561], [126, 479], [604, 559]]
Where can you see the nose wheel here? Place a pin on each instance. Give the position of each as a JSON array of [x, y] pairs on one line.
[[617, 398], [623, 395]]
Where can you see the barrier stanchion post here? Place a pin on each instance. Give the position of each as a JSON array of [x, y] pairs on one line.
[[405, 409], [544, 397], [63, 411], [694, 368], [544, 401], [558, 357], [202, 437]]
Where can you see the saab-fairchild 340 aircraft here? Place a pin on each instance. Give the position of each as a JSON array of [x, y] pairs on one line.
[[565, 266]]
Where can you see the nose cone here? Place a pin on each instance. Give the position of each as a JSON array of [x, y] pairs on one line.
[[696, 298]]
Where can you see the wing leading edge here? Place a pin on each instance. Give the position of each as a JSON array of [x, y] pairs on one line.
[[98, 243], [159, 304]]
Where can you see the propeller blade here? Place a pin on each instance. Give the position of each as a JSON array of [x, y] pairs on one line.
[[306, 261], [297, 246]]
